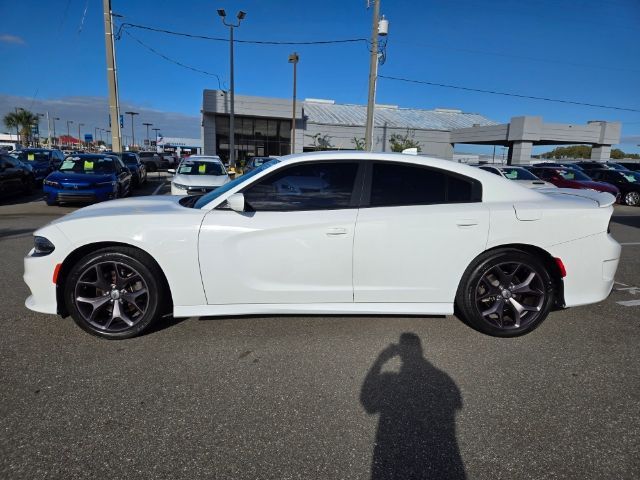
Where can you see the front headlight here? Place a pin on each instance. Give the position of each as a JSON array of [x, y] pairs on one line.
[[42, 246], [180, 187], [51, 183]]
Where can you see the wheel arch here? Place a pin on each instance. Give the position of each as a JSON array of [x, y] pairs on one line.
[[544, 256], [71, 259]]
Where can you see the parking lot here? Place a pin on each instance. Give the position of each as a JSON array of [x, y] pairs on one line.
[[304, 397]]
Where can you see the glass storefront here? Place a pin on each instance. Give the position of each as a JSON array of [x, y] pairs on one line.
[[254, 137]]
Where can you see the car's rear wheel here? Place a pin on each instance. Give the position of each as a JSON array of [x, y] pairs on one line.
[[505, 293], [632, 199], [114, 293]]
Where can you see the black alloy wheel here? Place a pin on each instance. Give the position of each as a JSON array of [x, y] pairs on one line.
[[506, 293], [115, 293]]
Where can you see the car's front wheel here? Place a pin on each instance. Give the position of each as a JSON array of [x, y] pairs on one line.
[[632, 199], [115, 293], [505, 293]]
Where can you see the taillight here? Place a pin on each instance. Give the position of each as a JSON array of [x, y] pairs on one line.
[[563, 271]]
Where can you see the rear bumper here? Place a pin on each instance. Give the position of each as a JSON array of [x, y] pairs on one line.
[[591, 265]]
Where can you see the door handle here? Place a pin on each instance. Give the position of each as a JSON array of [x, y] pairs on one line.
[[336, 231], [467, 222]]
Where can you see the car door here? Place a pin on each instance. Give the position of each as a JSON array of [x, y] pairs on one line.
[[293, 245], [416, 234], [11, 174], [124, 175]]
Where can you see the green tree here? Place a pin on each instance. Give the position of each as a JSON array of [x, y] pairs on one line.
[[321, 142], [617, 154], [400, 142], [21, 120], [358, 142]]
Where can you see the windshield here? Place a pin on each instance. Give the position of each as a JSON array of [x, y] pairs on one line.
[[130, 159], [571, 174], [212, 195], [30, 156], [518, 174], [195, 167], [90, 165]]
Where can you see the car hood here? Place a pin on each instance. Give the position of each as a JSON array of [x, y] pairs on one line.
[[151, 205], [200, 180], [59, 176]]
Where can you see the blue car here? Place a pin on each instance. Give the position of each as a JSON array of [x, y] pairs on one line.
[[41, 160], [87, 178], [135, 166]]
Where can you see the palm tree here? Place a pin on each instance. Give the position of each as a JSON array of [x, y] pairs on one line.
[[21, 120]]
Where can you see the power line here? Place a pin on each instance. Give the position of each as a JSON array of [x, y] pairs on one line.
[[151, 49], [126, 25], [507, 94]]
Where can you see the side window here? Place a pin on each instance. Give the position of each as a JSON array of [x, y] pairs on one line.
[[397, 184], [307, 186], [491, 170]]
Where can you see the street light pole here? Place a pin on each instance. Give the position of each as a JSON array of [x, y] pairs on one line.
[[379, 27], [69, 131], [148, 125], [232, 147], [54, 129], [294, 58], [112, 77], [133, 136], [156, 130], [79, 139]]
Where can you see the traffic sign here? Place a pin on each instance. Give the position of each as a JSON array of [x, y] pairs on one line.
[[88, 137]]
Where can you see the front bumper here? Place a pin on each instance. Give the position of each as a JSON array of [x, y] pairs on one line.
[[191, 190], [72, 195], [591, 265]]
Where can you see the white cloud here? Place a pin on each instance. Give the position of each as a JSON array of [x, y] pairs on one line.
[[14, 39]]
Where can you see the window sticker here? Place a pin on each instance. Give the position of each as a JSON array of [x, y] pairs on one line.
[[630, 178], [31, 156], [67, 164], [88, 165], [512, 175], [202, 168]]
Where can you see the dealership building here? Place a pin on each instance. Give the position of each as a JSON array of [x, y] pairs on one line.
[[263, 128]]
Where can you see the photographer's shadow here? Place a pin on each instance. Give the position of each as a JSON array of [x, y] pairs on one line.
[[416, 436]]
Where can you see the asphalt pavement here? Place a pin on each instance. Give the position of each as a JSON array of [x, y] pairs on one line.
[[302, 397]]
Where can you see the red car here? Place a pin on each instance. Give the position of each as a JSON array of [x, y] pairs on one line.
[[573, 178]]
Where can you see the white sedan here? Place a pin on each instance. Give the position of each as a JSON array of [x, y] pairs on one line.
[[198, 174], [331, 233]]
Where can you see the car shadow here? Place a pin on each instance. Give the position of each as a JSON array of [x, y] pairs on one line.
[[18, 199], [168, 321], [416, 435]]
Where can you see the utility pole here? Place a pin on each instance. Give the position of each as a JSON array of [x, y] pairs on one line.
[[373, 76], [148, 142], [156, 130], [112, 77], [294, 58], [232, 147], [54, 129]]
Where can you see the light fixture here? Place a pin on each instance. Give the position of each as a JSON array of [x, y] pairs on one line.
[[241, 15], [222, 13]]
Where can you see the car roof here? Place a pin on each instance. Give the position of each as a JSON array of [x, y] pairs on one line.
[[92, 155]]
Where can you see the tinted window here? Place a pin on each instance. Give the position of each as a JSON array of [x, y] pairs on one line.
[[310, 186], [394, 185], [491, 170]]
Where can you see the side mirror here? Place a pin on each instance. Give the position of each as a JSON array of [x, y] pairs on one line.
[[171, 170], [236, 202]]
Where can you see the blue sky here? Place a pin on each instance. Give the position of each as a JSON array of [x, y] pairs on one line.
[[581, 50]]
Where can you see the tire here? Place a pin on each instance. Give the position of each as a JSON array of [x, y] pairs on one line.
[[115, 305], [505, 293], [632, 199]]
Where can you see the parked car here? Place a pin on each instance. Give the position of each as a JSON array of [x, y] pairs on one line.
[[588, 166], [198, 174], [626, 181], [571, 178], [135, 166], [633, 166], [518, 174], [15, 177], [153, 161], [555, 164], [378, 234], [87, 178], [42, 160], [255, 162]]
